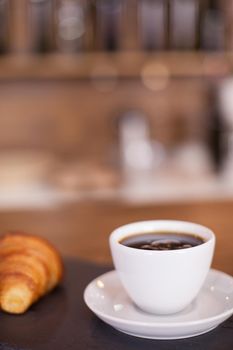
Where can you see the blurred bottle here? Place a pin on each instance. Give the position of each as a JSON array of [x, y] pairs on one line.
[[135, 143], [130, 38], [139, 154], [227, 8], [41, 16], [18, 26], [216, 129], [4, 26], [184, 16], [153, 24], [226, 106], [71, 25], [212, 36], [108, 24]]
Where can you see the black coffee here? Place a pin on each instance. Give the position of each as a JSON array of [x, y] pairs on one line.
[[162, 241]]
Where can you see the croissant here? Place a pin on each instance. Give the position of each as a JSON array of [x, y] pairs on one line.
[[30, 267]]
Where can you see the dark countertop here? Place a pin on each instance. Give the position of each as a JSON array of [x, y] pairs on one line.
[[61, 320]]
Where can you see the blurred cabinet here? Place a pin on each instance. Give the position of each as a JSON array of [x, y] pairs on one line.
[[70, 68]]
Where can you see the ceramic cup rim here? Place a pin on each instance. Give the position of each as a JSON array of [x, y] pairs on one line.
[[125, 231]]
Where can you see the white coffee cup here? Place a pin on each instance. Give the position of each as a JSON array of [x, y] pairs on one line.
[[162, 282]]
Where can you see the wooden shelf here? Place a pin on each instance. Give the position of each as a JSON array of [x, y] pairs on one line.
[[128, 65]]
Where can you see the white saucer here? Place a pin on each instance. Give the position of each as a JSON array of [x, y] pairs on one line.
[[106, 297]]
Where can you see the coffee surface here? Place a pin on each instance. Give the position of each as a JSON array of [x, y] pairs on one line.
[[162, 241]]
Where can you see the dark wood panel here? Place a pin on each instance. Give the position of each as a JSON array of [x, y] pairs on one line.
[[82, 229], [82, 116]]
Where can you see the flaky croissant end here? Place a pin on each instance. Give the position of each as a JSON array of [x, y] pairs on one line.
[[29, 268]]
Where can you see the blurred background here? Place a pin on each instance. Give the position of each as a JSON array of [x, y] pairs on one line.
[[113, 111]]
